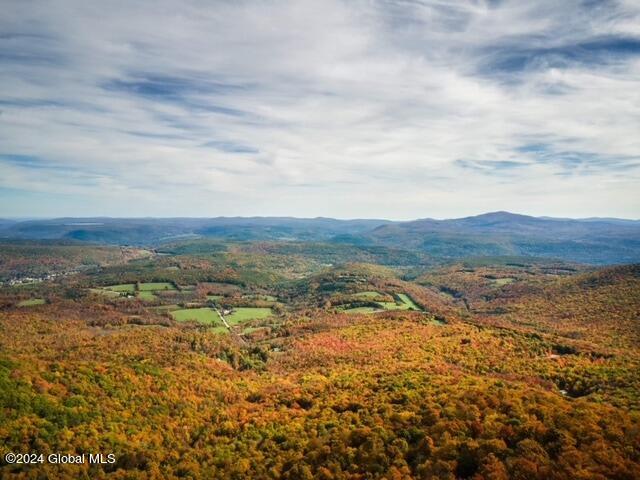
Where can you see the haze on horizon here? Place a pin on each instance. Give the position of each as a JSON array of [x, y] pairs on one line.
[[346, 109]]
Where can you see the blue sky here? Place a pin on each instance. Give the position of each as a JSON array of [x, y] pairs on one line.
[[372, 109]]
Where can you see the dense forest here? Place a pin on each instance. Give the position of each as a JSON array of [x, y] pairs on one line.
[[368, 364]]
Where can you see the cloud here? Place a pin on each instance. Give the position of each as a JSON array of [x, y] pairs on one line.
[[397, 109]]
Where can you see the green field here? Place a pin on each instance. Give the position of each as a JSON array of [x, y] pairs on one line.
[[31, 302], [123, 287], [146, 295], [503, 281], [153, 286], [220, 329], [404, 303], [393, 306], [215, 298], [407, 301], [206, 316], [244, 314]]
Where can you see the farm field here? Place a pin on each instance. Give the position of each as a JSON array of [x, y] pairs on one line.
[[393, 306], [206, 316], [244, 314], [405, 303], [153, 286], [146, 295], [124, 287], [408, 302]]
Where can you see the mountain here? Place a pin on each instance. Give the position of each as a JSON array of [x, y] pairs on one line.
[[597, 241], [594, 240], [6, 223], [150, 231]]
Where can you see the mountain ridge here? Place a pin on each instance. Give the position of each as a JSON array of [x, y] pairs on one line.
[[594, 241]]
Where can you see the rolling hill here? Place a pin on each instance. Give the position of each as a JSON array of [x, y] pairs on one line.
[[593, 240]]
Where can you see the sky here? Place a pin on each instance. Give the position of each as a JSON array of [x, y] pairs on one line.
[[394, 109]]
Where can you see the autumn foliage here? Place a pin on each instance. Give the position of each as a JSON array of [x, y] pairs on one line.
[[547, 389]]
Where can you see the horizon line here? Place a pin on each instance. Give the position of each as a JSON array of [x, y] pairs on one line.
[[320, 217]]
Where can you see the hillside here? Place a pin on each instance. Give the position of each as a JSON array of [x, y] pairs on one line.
[[36, 260], [486, 378], [594, 241], [149, 231]]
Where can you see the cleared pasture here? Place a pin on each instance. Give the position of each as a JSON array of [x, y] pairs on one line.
[[146, 295], [393, 306], [123, 287], [407, 301], [220, 329], [206, 316], [244, 314], [155, 286]]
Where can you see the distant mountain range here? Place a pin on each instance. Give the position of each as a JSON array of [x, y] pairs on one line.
[[597, 241], [151, 231], [592, 240]]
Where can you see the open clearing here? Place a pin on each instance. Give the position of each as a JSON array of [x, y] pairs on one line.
[[220, 329], [407, 301], [503, 281], [206, 316], [393, 306], [146, 295], [31, 302], [153, 286], [244, 314], [123, 287]]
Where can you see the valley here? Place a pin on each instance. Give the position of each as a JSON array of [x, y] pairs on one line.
[[315, 360]]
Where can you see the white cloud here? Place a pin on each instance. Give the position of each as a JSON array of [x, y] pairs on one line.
[[347, 109]]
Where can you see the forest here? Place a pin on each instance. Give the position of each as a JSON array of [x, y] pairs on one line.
[[314, 360]]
